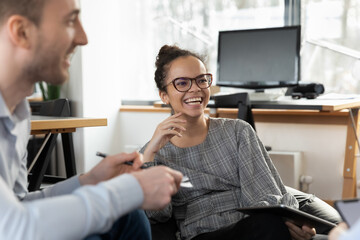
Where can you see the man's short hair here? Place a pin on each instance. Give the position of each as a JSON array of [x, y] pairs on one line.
[[31, 9]]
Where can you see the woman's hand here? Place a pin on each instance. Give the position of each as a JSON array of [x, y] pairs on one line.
[[170, 127], [298, 233]]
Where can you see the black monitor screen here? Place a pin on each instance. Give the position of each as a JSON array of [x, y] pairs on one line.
[[259, 58]]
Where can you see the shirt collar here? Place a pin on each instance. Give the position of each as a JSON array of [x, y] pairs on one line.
[[4, 111], [22, 110]]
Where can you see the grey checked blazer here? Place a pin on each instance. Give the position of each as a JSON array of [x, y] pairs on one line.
[[229, 170]]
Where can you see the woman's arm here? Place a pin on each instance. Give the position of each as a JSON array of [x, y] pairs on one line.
[[259, 180], [161, 215]]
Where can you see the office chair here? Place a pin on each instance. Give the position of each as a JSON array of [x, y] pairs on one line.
[[54, 108], [240, 101]]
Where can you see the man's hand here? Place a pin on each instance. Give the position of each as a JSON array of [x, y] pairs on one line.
[[158, 184], [337, 231], [112, 166], [298, 233]]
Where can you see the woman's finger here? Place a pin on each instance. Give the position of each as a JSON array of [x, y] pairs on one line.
[[295, 231], [308, 231], [172, 126], [294, 235], [172, 132], [172, 121]]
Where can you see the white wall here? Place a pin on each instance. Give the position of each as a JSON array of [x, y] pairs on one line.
[[101, 67], [323, 146], [105, 66], [137, 128], [73, 91], [96, 74]]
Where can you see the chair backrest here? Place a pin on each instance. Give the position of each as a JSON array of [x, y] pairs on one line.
[[56, 108], [237, 100]]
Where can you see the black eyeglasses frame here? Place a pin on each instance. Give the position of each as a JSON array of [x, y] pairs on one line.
[[191, 80]]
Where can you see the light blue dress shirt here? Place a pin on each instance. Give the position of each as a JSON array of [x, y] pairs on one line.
[[63, 211]]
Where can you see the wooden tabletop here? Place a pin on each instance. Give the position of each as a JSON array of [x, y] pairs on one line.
[[42, 124], [283, 103], [326, 105]]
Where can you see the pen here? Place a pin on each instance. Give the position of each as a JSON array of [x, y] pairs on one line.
[[100, 154]]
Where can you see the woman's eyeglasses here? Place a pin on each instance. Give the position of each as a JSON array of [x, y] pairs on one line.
[[183, 84]]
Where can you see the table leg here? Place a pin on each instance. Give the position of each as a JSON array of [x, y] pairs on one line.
[[351, 148], [69, 155], [41, 164]]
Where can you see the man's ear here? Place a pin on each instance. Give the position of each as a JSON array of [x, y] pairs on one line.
[[164, 97], [20, 29]]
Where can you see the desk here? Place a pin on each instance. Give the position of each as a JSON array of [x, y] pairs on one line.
[[333, 112], [43, 125], [338, 112], [305, 104], [51, 127]]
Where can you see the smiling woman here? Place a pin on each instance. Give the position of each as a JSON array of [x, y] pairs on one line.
[[223, 158]]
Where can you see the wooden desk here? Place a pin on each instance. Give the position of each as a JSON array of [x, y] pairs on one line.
[[43, 125], [51, 127], [306, 104]]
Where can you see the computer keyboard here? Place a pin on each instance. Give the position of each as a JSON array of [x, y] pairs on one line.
[[261, 96]]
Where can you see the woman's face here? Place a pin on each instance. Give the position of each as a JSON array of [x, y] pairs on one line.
[[193, 102]]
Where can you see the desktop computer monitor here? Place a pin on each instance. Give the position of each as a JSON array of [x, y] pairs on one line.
[[259, 58]]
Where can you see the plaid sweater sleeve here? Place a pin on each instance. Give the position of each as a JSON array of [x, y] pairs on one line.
[[259, 179]]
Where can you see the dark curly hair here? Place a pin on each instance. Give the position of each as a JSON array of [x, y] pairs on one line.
[[166, 55]]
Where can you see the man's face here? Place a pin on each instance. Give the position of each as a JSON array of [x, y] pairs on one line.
[[58, 34]]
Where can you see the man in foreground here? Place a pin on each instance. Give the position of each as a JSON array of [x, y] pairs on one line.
[[37, 39]]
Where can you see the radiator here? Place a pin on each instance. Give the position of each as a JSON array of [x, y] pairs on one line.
[[289, 166]]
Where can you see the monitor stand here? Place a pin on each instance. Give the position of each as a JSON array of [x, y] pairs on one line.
[[261, 95]]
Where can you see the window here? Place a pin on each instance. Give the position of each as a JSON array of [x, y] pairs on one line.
[[331, 44], [192, 25]]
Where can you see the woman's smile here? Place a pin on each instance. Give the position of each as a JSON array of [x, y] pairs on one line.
[[193, 100]]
